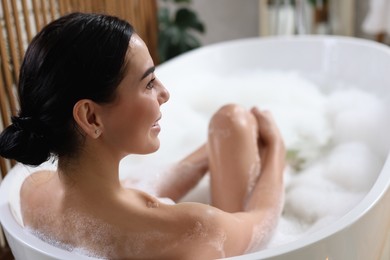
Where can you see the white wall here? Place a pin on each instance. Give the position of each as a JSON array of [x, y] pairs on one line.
[[234, 19], [227, 19]]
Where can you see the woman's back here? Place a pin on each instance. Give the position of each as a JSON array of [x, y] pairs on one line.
[[127, 224]]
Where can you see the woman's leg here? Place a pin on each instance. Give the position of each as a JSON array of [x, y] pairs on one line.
[[234, 160]]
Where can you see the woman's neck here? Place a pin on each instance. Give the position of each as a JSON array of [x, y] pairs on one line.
[[89, 172]]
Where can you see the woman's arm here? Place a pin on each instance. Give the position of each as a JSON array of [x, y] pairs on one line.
[[229, 234], [264, 205], [183, 176], [268, 190]]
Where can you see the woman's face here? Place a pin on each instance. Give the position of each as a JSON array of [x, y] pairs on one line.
[[130, 123]]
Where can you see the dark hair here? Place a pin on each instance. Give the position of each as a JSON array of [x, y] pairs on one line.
[[78, 56]]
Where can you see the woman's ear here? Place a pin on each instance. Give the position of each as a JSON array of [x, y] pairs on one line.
[[85, 115]]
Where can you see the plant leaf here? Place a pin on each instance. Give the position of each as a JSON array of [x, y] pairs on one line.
[[198, 27], [164, 18], [185, 18], [192, 42], [175, 36], [182, 1]]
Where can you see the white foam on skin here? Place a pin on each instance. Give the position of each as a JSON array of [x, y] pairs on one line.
[[253, 177]]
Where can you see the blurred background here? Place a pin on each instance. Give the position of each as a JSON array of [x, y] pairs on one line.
[[224, 20]]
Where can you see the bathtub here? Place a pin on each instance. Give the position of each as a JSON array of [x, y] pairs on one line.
[[362, 233]]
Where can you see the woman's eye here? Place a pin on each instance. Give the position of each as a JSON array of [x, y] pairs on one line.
[[150, 84]]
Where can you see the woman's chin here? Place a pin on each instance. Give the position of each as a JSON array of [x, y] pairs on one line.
[[153, 147]]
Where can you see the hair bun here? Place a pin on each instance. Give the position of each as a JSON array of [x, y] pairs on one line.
[[24, 123], [23, 142]]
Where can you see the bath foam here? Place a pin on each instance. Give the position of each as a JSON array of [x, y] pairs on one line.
[[79, 227], [262, 233], [355, 116], [219, 243], [253, 177], [336, 139], [353, 165], [56, 243]]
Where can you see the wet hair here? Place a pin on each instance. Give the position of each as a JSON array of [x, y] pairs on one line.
[[78, 56]]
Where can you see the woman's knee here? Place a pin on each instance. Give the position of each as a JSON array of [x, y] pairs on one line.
[[232, 116]]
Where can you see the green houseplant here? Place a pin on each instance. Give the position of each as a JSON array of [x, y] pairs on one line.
[[176, 29]]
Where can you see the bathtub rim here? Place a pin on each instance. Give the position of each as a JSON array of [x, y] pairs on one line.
[[323, 39]]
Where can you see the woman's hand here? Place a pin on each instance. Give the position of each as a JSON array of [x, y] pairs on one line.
[[269, 135]]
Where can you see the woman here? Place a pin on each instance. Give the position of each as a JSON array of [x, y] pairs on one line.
[[89, 97]]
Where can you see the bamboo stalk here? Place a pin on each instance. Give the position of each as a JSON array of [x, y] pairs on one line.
[[11, 39], [44, 12], [27, 20], [36, 15], [52, 8], [18, 31], [6, 74]]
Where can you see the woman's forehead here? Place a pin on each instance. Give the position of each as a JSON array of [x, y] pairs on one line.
[[137, 57], [136, 41]]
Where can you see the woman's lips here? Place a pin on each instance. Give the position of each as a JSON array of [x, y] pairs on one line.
[[156, 124]]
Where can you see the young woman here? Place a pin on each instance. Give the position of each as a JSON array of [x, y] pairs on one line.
[[89, 97]]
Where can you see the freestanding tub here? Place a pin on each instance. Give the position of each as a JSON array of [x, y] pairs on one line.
[[364, 232]]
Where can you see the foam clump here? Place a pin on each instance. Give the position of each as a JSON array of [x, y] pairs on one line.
[[359, 116], [329, 186], [353, 166], [59, 244]]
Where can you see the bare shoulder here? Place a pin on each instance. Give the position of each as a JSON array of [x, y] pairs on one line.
[[188, 230], [39, 176], [37, 179], [34, 185], [219, 233]]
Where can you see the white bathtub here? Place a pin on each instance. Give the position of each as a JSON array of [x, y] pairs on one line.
[[364, 232]]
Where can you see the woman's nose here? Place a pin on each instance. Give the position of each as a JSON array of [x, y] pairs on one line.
[[164, 94]]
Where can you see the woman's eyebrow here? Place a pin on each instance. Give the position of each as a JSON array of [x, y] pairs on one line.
[[148, 71]]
